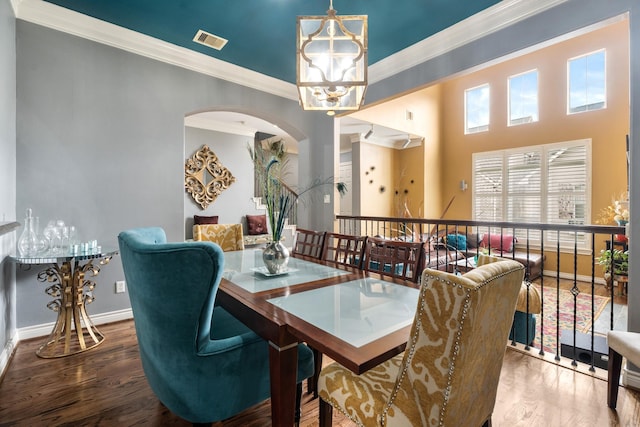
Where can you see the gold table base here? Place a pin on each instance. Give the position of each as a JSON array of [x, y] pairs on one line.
[[73, 332]]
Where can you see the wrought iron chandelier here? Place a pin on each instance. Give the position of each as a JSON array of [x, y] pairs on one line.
[[331, 59]]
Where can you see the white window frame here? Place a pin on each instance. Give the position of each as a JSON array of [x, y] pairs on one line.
[[482, 127], [592, 106], [501, 157], [522, 120]]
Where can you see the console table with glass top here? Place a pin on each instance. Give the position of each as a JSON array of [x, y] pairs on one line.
[[71, 290]]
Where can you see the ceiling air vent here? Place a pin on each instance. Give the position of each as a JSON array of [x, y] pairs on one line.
[[210, 40]]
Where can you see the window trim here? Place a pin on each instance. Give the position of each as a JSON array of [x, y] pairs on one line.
[[604, 103], [482, 128], [510, 121]]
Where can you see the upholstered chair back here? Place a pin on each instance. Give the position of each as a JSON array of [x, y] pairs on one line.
[[227, 236], [451, 367], [200, 361], [449, 372]]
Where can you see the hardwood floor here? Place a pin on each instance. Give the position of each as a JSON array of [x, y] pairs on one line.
[[106, 387]]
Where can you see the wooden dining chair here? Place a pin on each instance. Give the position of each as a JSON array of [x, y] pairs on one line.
[[338, 249], [344, 249], [395, 258], [308, 243]]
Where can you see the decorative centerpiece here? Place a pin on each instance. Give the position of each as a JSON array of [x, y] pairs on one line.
[[278, 198], [275, 255], [617, 212]]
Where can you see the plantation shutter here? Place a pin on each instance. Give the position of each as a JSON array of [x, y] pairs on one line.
[[540, 184], [567, 189], [525, 187], [487, 186]]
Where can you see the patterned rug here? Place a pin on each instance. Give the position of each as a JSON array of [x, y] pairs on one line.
[[583, 318]]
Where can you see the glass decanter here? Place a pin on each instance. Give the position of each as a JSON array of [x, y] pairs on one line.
[[30, 244]]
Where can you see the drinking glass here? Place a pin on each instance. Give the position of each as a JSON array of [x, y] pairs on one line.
[[49, 234]]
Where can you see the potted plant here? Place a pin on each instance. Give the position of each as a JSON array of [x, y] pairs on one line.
[[615, 262], [270, 169]]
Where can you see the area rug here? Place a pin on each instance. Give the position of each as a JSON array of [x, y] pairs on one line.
[[583, 317]]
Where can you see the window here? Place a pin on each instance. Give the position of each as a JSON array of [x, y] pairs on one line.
[[586, 84], [539, 184], [523, 98], [476, 109]]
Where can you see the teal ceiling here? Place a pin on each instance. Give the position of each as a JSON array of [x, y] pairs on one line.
[[261, 33]]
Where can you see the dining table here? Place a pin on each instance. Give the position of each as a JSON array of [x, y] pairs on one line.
[[358, 319]]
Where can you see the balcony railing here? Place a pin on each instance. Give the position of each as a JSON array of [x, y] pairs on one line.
[[561, 261]]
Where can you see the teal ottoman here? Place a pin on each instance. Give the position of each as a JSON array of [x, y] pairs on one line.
[[524, 328]]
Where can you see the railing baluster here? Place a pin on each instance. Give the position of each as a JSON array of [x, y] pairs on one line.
[[566, 268]]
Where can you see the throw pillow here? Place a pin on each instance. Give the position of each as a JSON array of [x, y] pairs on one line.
[[497, 242], [457, 241], [257, 224], [201, 219]]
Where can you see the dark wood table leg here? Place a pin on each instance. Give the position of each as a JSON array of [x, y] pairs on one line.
[[283, 364]]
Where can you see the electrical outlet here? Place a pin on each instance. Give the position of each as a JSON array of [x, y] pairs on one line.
[[327, 198], [120, 287]]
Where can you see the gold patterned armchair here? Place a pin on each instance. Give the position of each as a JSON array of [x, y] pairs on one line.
[[449, 372], [228, 236]]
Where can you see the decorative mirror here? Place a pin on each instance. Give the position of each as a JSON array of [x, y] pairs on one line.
[[205, 178]]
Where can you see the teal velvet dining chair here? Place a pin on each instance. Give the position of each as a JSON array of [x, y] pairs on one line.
[[201, 362]]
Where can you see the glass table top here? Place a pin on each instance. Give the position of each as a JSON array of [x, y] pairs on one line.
[[357, 312], [246, 269], [52, 258]]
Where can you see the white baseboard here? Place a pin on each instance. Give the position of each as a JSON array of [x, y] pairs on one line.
[[631, 378], [7, 351], [98, 319], [569, 276], [45, 329]]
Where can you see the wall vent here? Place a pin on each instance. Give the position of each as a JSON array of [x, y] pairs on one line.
[[210, 40]]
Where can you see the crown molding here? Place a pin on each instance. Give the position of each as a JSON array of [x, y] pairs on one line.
[[490, 20], [61, 19], [14, 5], [197, 121], [499, 16]]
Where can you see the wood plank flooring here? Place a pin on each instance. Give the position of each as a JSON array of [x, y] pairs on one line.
[[106, 387]]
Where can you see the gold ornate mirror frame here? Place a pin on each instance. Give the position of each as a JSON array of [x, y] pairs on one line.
[[205, 178]]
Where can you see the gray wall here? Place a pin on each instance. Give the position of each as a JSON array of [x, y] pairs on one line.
[[235, 202], [100, 144], [7, 170]]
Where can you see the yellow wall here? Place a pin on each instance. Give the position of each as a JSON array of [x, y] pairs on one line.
[[607, 128], [409, 182], [420, 164], [376, 172], [446, 155]]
